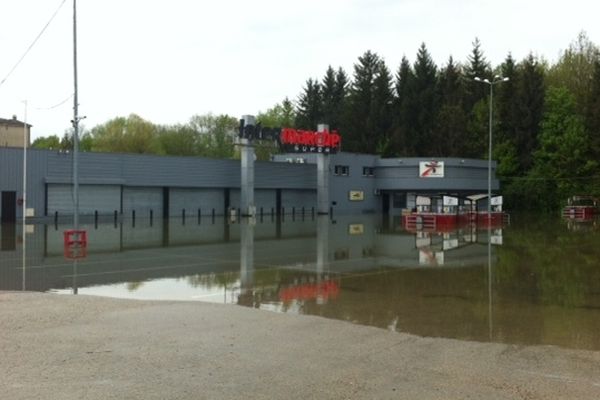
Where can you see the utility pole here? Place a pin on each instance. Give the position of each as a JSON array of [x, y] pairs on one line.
[[75, 125]]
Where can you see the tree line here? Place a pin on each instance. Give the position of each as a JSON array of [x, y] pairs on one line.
[[546, 118], [546, 130]]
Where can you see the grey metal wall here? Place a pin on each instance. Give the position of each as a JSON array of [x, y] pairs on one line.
[[46, 167], [107, 171], [462, 175]]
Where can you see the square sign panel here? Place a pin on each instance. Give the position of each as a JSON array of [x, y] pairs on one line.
[[431, 169]]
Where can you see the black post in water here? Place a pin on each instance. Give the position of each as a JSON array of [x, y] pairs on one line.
[[183, 216], [55, 220], [199, 216], [115, 218], [213, 216], [302, 213], [133, 218], [151, 217], [96, 219]]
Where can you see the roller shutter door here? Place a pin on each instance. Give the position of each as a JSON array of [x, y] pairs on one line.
[[143, 200], [106, 199], [191, 200]]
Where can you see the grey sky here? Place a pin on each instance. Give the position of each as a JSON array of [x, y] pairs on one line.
[[169, 60]]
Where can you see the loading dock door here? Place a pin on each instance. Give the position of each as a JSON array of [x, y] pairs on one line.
[[106, 199], [142, 200], [9, 207]]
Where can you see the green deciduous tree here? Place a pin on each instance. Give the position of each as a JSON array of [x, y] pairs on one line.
[[126, 135], [48, 143], [575, 70], [563, 156]]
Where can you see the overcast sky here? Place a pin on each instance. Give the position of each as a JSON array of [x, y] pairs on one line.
[[168, 60]]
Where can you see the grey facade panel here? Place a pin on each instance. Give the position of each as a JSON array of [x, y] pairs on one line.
[[436, 184], [11, 177]]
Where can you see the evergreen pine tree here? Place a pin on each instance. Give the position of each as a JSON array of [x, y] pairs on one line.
[[403, 116], [309, 108], [477, 66], [476, 103], [340, 97], [423, 92], [380, 120], [358, 133], [333, 94], [529, 102], [451, 120], [507, 116], [329, 96]]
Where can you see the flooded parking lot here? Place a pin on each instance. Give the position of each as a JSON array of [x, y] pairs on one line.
[[531, 282]]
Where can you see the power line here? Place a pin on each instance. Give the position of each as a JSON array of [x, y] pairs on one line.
[[56, 105], [33, 43]]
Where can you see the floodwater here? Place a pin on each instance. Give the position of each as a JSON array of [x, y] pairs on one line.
[[531, 282]]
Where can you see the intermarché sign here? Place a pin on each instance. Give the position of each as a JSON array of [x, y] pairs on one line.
[[292, 140]]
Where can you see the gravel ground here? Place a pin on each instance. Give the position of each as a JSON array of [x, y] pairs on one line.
[[84, 347]]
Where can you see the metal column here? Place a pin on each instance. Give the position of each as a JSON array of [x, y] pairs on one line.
[[322, 178], [247, 207]]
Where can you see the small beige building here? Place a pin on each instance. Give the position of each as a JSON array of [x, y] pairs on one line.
[[12, 131]]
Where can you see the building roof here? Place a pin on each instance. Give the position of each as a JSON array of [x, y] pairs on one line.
[[13, 122]]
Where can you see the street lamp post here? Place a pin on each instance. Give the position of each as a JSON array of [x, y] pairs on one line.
[[497, 79]]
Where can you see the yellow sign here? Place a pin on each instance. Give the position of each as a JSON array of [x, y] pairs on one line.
[[356, 195], [356, 229]]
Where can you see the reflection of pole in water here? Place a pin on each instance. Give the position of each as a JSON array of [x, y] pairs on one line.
[[24, 271], [246, 261], [24, 194], [322, 250], [491, 321], [75, 288]]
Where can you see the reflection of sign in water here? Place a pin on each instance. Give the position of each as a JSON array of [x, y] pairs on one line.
[[497, 237], [450, 201], [431, 169], [428, 257], [423, 201], [309, 291], [356, 195], [450, 244], [356, 229], [497, 201]]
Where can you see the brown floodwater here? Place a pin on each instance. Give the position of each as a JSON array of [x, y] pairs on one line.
[[535, 281]]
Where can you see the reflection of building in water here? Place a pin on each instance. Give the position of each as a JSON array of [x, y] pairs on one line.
[[315, 246]]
